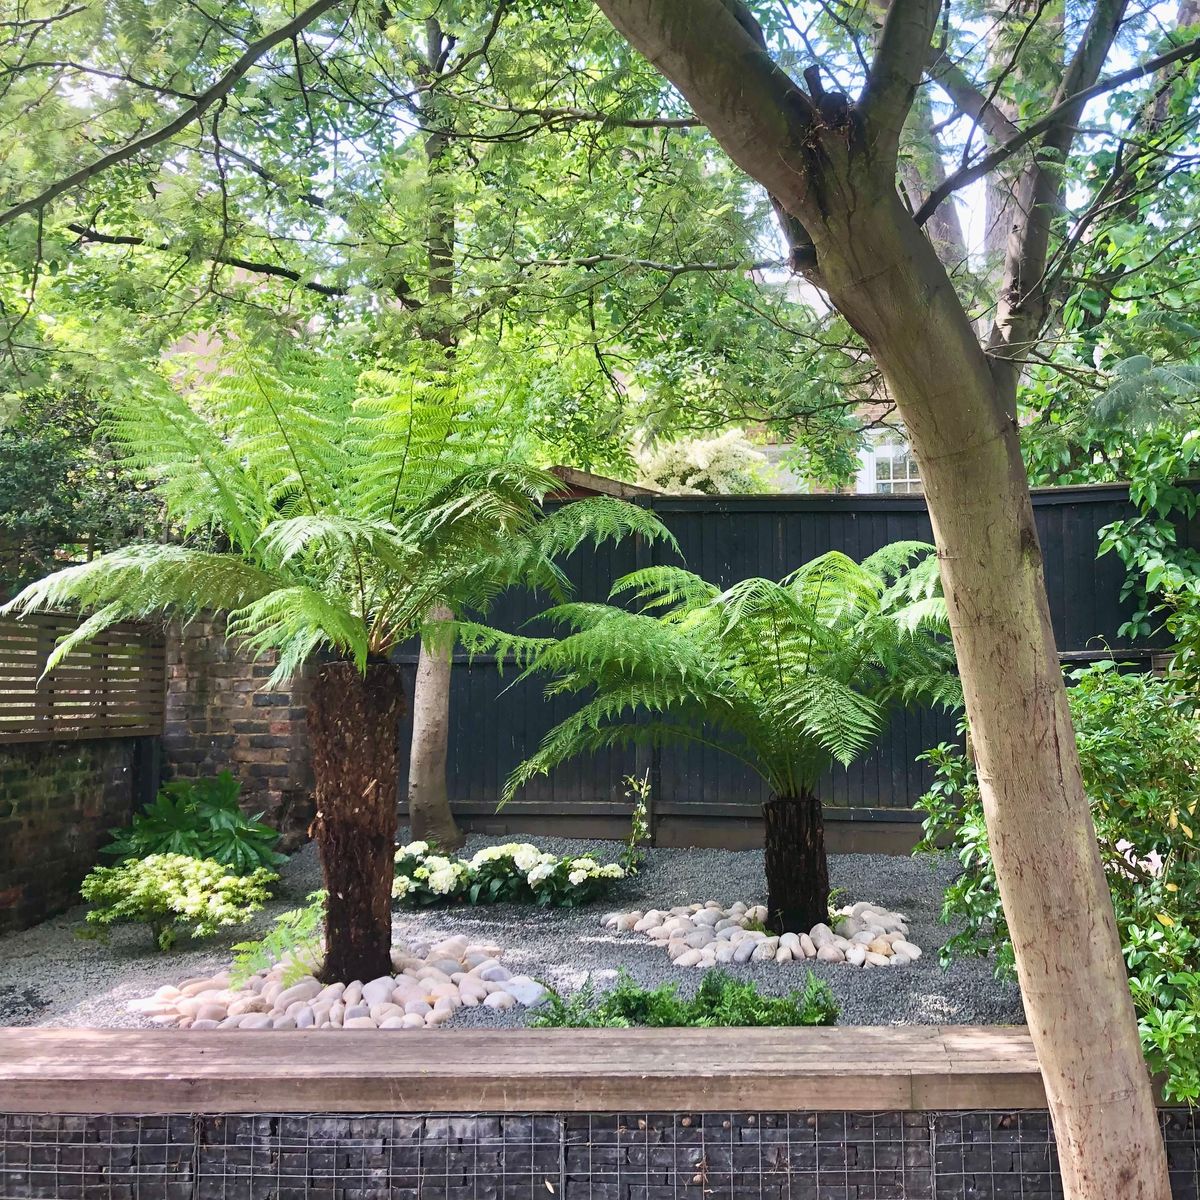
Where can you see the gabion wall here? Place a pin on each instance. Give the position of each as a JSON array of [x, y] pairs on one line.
[[623, 1156]]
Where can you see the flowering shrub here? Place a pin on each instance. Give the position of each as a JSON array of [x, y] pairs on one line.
[[710, 466], [515, 872], [173, 894]]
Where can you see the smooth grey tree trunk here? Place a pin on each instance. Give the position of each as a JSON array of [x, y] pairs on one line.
[[429, 812]]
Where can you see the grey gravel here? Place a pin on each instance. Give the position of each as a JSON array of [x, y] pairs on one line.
[[63, 981]]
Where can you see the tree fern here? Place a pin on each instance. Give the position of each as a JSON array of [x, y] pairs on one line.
[[789, 676], [324, 510]]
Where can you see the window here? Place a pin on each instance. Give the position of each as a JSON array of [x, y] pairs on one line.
[[889, 466]]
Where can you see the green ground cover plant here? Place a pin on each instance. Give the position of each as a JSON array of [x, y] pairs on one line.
[[173, 895], [720, 1001]]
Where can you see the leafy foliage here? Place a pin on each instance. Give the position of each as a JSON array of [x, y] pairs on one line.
[[294, 939], [62, 495], [704, 466], [789, 677], [173, 894], [1158, 568], [720, 1002], [1141, 767], [515, 873], [633, 853], [202, 819], [327, 510]]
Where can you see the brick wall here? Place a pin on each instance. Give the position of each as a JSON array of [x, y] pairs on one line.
[[219, 717], [58, 801]]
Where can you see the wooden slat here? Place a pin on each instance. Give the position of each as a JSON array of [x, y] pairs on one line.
[[113, 687], [589, 1070]]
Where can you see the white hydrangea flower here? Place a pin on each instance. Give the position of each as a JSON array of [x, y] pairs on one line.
[[539, 872], [401, 886], [577, 877], [525, 857], [611, 871], [413, 850]]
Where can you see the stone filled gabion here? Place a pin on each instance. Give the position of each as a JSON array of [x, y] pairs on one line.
[[707, 935], [430, 983]]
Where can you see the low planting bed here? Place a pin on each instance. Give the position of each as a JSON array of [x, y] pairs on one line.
[[50, 977]]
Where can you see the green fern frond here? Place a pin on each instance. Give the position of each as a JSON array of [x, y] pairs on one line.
[[789, 676]]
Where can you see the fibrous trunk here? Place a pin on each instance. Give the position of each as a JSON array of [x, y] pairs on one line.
[[353, 727], [797, 871], [429, 814]]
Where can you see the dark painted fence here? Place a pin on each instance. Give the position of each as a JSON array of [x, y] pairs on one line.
[[495, 723]]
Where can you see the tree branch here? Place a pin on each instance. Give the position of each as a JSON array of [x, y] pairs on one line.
[[88, 234], [899, 64], [989, 162], [751, 105], [223, 86], [968, 99]]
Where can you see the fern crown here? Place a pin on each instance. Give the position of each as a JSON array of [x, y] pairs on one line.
[[788, 676], [326, 510]]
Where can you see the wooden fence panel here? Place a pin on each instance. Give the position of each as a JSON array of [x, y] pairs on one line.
[[495, 724], [115, 686]]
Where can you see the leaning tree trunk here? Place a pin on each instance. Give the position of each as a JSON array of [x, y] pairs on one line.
[[352, 727], [429, 813], [1039, 822], [831, 166], [797, 870]]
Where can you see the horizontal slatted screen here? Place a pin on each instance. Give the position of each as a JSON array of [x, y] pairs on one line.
[[112, 687]]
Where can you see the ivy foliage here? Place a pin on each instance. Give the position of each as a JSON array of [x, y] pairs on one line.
[[721, 1001], [1140, 758]]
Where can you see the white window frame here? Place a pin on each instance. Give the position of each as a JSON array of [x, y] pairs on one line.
[[888, 444]]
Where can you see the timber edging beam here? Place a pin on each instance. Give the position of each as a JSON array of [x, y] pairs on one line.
[[909, 1068]]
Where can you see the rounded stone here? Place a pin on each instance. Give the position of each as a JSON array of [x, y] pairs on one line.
[[743, 950], [856, 955], [377, 991], [907, 948], [358, 1023], [830, 954], [689, 958]]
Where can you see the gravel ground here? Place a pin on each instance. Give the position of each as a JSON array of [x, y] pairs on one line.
[[50, 977]]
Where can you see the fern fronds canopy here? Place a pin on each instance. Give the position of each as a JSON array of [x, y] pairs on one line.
[[326, 510], [789, 677]]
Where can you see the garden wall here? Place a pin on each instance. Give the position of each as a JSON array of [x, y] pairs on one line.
[[979, 1155], [219, 718], [58, 801]]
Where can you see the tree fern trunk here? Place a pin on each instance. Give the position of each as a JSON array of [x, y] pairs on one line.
[[352, 725], [797, 871], [429, 815]]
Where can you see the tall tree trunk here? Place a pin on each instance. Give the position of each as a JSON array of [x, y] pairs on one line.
[[429, 813], [797, 870], [352, 727], [1040, 830], [833, 168]]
